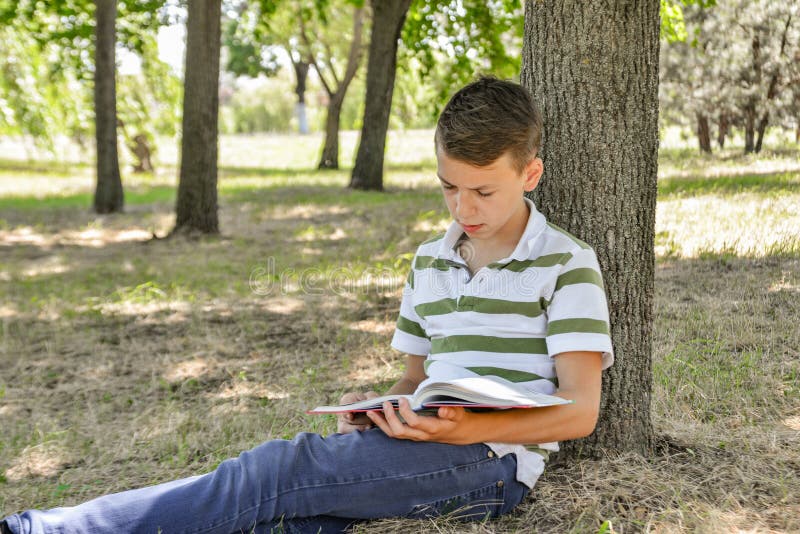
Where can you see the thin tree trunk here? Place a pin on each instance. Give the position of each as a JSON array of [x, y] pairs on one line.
[[703, 133], [301, 75], [600, 111], [762, 128], [330, 152], [749, 127], [197, 188], [337, 91], [108, 195], [388, 17], [722, 132]]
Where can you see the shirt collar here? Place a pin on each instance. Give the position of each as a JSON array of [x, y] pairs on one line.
[[534, 228]]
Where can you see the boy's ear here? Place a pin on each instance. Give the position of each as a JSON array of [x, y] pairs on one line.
[[532, 174]]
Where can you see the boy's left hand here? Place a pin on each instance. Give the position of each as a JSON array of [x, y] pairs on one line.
[[447, 427]]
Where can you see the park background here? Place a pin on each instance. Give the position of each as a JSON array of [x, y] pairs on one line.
[[132, 353]]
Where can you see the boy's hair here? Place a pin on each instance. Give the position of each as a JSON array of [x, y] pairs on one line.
[[488, 118]]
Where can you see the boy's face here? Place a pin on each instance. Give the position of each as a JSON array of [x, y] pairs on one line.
[[488, 201]]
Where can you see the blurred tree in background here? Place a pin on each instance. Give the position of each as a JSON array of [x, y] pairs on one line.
[[335, 36], [737, 65], [326, 35]]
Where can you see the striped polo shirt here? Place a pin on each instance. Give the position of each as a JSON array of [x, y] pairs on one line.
[[511, 317]]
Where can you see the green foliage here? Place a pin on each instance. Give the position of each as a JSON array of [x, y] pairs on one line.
[[250, 50], [47, 69], [67, 26], [673, 26], [456, 40], [37, 98]]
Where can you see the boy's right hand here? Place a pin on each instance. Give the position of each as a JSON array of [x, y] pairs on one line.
[[348, 422]]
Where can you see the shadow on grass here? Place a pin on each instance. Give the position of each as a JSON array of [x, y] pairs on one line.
[[730, 184], [207, 373]]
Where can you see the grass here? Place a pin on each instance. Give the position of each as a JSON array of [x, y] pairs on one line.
[[126, 361]]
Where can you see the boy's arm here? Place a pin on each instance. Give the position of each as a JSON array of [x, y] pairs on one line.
[[412, 376], [579, 378], [406, 385]]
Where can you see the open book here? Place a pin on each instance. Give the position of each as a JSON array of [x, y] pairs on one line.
[[471, 392]]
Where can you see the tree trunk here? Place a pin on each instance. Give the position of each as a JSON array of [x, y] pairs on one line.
[[722, 132], [762, 128], [197, 188], [330, 152], [108, 195], [301, 75], [337, 91], [749, 127], [703, 133], [600, 112], [388, 17]]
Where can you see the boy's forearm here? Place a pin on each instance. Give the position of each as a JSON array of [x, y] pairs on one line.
[[404, 386], [534, 425]]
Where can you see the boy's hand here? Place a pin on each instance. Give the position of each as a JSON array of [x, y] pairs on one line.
[[447, 427], [348, 422]]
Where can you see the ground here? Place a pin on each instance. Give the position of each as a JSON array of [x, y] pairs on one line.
[[127, 359]]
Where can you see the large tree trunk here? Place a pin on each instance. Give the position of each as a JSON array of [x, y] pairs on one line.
[[762, 128], [703, 133], [108, 196], [597, 87], [388, 17], [330, 152], [197, 188]]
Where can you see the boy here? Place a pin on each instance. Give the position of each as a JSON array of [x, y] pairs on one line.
[[501, 293]]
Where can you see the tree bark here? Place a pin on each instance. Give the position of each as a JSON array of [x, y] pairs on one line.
[[330, 152], [108, 195], [722, 132], [703, 133], [762, 128], [749, 113], [301, 75], [197, 188], [388, 17], [597, 87]]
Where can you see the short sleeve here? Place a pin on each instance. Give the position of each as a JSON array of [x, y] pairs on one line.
[[577, 315], [409, 334]]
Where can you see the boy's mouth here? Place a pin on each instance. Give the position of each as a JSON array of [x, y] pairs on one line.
[[471, 228]]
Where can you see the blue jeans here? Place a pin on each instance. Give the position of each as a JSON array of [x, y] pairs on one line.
[[309, 484]]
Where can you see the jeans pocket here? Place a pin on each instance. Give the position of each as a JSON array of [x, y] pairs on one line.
[[482, 503]]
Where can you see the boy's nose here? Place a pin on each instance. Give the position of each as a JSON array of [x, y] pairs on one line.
[[464, 206]]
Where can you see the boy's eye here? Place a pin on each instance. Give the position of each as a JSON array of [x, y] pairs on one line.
[[484, 195], [448, 186]]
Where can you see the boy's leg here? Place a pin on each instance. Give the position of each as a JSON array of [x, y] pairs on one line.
[[360, 475]]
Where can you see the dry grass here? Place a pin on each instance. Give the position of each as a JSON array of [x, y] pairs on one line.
[[125, 361]]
